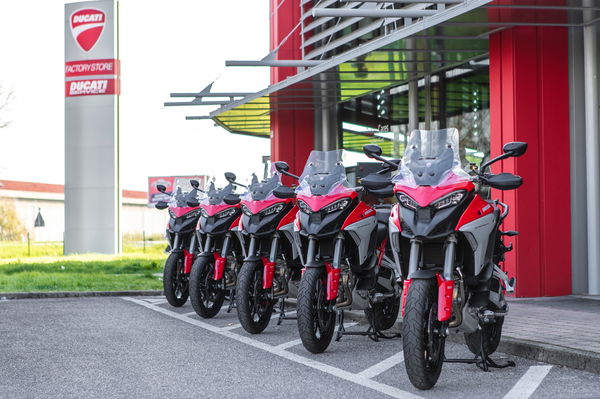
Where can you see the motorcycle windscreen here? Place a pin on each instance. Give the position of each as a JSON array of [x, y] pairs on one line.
[[263, 190], [323, 174], [182, 193], [432, 159], [215, 196]]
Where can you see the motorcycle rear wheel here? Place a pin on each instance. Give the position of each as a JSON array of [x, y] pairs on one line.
[[316, 317], [422, 341], [384, 313], [175, 282], [254, 307], [206, 294], [492, 332]]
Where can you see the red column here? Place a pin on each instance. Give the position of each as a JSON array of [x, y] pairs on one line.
[[529, 101], [291, 130]]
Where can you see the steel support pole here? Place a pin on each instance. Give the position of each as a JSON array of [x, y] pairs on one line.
[[413, 91], [590, 59]]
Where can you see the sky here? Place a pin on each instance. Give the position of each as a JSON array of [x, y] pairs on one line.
[[165, 46]]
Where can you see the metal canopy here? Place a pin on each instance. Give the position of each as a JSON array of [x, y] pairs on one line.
[[361, 47]]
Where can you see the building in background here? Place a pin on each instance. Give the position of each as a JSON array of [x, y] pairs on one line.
[[347, 73], [48, 199]]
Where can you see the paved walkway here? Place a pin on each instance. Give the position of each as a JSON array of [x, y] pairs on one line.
[[571, 322]]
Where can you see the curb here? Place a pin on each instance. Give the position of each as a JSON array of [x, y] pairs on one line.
[[75, 294], [538, 351]]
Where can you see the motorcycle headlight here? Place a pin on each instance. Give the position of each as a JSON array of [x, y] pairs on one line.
[[203, 213], [304, 207], [192, 214], [172, 214], [272, 209], [225, 213], [246, 210], [449, 200], [406, 201], [336, 206]]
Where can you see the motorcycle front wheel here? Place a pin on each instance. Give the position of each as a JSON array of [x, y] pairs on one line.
[[316, 317], [254, 307], [422, 341], [175, 282], [206, 294]]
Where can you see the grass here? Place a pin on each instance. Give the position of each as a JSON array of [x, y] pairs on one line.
[[17, 249], [50, 271]]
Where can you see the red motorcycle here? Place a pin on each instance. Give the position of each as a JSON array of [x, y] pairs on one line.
[[343, 237], [271, 262], [214, 273], [446, 238], [183, 243]]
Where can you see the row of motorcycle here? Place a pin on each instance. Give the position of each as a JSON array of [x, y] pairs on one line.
[[434, 254]]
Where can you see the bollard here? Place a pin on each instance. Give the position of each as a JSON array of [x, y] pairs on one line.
[[144, 238], [28, 245]]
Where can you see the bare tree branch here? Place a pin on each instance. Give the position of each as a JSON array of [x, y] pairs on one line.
[[5, 98]]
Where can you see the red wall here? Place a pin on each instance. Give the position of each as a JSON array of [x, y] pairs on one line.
[[292, 136], [529, 96]]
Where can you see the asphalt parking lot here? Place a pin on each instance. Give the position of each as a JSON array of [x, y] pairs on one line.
[[142, 347]]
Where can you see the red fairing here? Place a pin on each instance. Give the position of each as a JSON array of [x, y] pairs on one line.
[[188, 259], [288, 218], [268, 273], [236, 223], [257, 206], [361, 211], [425, 195], [405, 287], [214, 209], [180, 211], [317, 202], [476, 209], [219, 266], [333, 281], [445, 292], [395, 216]]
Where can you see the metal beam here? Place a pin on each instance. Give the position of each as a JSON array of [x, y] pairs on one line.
[[178, 104], [359, 12], [405, 1], [236, 94], [273, 63]]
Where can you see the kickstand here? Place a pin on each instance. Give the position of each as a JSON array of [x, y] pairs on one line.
[[482, 359], [341, 330], [231, 301], [372, 332], [282, 315]]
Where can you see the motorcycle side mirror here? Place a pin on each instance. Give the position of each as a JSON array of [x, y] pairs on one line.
[[504, 181], [284, 192], [195, 183], [515, 149], [282, 166], [372, 151], [231, 199], [192, 203], [230, 177], [161, 188], [161, 205]]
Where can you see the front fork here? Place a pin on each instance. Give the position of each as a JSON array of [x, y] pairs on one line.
[[445, 281], [332, 268], [188, 253], [220, 258]]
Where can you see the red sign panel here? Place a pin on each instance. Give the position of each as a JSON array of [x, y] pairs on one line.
[[87, 25], [92, 67], [92, 87]]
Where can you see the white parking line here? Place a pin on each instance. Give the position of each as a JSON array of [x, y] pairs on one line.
[[289, 344], [382, 366], [529, 382], [332, 370], [156, 301], [188, 314]]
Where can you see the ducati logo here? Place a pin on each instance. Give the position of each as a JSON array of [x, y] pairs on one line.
[[87, 26]]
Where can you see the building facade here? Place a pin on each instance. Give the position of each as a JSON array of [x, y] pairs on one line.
[[348, 73]]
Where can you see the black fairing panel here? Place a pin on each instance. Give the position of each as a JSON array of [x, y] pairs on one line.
[[259, 225], [182, 225], [318, 225], [212, 225], [429, 223]]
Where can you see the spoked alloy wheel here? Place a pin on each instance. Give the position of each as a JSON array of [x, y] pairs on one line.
[[254, 307], [422, 340], [206, 294], [175, 281], [316, 317]]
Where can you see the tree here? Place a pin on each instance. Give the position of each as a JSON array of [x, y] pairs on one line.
[[11, 227]]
